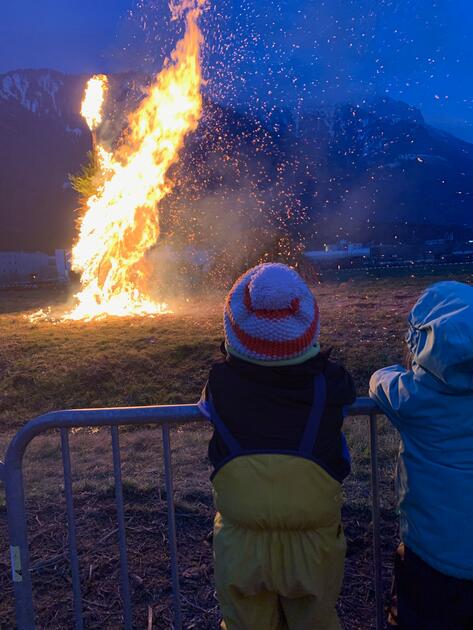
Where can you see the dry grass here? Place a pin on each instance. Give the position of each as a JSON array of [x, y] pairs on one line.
[[155, 361], [47, 366]]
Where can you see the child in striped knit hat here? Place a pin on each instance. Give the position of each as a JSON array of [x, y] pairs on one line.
[[279, 458]]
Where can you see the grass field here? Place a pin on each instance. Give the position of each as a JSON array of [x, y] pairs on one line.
[[46, 366]]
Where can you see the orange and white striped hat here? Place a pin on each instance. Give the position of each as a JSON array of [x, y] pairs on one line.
[[271, 315]]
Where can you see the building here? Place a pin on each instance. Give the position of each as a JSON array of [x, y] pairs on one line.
[[31, 268], [340, 254], [344, 255]]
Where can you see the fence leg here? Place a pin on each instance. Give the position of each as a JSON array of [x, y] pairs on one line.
[[17, 530], [378, 579], [71, 531], [172, 528], [124, 580]]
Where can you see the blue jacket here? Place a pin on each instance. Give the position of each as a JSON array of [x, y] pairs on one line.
[[432, 407]]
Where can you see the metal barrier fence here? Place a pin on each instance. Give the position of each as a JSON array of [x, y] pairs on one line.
[[11, 474]]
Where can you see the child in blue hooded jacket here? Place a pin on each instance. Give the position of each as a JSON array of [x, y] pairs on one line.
[[431, 405]]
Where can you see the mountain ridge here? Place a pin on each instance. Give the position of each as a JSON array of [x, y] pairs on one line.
[[321, 172]]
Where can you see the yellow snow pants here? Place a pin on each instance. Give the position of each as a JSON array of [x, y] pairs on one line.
[[279, 547]]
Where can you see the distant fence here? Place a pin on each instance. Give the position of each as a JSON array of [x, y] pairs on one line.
[[391, 270], [11, 473]]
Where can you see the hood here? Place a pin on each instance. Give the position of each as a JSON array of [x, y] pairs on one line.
[[440, 334]]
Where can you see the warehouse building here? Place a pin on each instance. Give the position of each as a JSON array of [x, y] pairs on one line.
[[32, 268]]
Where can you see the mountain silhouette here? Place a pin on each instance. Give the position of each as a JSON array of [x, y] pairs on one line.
[[324, 174]]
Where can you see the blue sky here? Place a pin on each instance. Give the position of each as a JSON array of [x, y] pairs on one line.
[[263, 51]]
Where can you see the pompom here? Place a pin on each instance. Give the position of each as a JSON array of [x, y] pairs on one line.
[[275, 286]]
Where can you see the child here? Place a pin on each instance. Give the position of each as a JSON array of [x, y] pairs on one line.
[[279, 458], [431, 404]]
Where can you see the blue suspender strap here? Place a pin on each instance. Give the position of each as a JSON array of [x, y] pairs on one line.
[[227, 437], [306, 446]]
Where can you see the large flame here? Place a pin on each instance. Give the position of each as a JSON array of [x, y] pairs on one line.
[[93, 101], [120, 222]]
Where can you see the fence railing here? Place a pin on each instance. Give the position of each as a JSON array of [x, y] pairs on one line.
[[11, 473]]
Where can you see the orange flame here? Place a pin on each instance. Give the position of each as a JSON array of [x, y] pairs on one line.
[[93, 101], [121, 222]]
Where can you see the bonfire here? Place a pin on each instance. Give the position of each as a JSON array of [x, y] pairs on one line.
[[120, 221]]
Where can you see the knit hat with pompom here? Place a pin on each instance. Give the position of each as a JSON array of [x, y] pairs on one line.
[[271, 316]]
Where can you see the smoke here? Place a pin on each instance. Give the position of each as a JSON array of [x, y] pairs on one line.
[[235, 198]]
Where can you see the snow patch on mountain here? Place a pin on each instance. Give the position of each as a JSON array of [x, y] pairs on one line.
[[37, 94], [75, 131], [51, 87]]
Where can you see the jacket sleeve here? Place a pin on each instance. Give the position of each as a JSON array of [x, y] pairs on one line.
[[342, 388], [211, 385], [389, 392]]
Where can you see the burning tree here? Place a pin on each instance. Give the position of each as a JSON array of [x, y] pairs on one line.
[[120, 222]]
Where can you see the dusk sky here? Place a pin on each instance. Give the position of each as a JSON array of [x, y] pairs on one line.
[[264, 52]]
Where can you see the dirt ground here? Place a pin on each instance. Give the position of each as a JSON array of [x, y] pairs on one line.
[[48, 365]]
